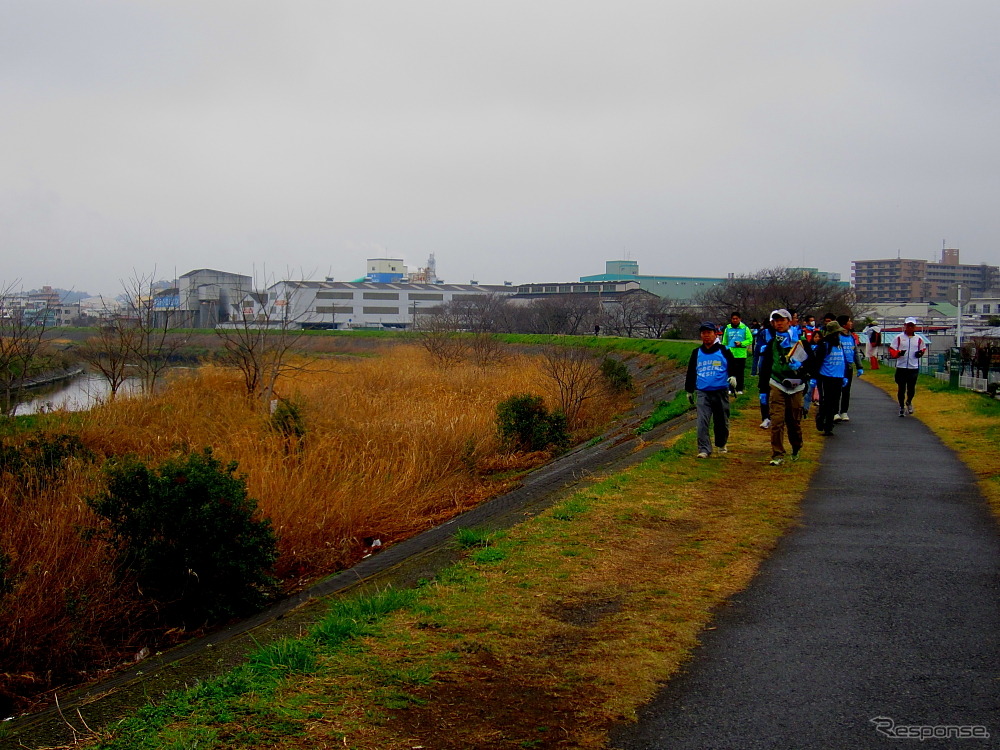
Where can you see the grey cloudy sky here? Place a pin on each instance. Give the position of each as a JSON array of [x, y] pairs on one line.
[[517, 140]]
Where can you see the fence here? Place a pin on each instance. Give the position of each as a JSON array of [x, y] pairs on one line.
[[939, 365]]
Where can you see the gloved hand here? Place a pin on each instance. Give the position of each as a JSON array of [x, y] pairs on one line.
[[732, 381], [690, 398], [844, 381], [860, 372], [795, 364]]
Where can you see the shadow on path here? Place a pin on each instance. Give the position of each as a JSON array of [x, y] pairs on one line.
[[882, 605]]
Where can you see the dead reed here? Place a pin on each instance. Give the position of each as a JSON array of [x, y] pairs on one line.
[[390, 445]]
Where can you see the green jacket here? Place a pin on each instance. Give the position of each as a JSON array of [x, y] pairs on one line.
[[740, 334]]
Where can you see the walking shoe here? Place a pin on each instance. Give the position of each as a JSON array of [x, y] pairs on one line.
[[909, 408], [723, 449], [837, 417], [739, 393], [901, 412], [844, 417], [766, 424], [776, 461], [703, 455], [795, 456]]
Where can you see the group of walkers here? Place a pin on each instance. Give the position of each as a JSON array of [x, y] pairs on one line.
[[801, 366]]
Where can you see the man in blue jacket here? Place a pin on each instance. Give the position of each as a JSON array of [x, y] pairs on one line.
[[711, 372]]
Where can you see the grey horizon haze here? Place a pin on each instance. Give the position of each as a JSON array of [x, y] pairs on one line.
[[520, 141]]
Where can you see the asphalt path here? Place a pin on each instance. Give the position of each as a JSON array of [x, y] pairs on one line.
[[874, 623]]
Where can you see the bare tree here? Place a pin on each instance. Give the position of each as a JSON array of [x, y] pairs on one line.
[[756, 295], [149, 332], [576, 373], [659, 316], [109, 352], [441, 336], [480, 313], [487, 350], [22, 333], [625, 315], [259, 340]]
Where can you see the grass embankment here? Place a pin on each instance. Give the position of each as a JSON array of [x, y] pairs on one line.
[[391, 445], [967, 422], [542, 637]]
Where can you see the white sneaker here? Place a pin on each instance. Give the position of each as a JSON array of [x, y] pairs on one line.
[[837, 417], [766, 424], [723, 449], [844, 417], [775, 462], [702, 455], [909, 408], [739, 393]]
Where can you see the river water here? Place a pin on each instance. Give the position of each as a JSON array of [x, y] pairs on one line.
[[82, 392]]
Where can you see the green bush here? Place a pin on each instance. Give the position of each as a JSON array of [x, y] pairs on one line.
[[524, 423], [43, 456], [617, 374], [287, 419], [187, 531]]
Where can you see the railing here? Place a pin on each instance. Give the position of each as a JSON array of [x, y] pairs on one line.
[[937, 365]]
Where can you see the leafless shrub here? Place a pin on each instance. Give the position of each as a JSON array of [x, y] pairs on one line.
[[576, 374], [441, 337]]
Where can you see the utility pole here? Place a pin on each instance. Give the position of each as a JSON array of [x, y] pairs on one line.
[[958, 326]]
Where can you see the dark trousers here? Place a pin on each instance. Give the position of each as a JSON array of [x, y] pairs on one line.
[[830, 390], [713, 408], [845, 393], [739, 372], [906, 384]]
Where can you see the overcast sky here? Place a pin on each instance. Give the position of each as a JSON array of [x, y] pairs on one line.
[[516, 140]]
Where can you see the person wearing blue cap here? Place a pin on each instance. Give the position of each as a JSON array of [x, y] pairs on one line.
[[712, 373]]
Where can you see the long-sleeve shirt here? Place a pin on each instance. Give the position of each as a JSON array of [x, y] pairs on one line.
[[908, 346], [709, 369]]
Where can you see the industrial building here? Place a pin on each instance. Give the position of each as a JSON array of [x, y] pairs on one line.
[[203, 298], [355, 304]]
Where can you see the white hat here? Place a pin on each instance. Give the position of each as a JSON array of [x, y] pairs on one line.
[[911, 320], [781, 313]]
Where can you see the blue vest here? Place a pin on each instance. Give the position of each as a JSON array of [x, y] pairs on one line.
[[712, 370], [847, 343], [833, 364]]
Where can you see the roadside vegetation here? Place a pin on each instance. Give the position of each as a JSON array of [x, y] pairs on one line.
[[543, 636], [354, 449]]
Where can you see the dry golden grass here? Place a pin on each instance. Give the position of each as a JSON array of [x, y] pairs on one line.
[[392, 445]]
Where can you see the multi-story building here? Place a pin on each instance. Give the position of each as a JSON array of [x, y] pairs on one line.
[[900, 280], [355, 304]]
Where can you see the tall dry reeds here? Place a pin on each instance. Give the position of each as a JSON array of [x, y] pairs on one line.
[[391, 444]]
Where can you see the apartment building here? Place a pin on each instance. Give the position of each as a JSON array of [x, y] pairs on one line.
[[901, 280]]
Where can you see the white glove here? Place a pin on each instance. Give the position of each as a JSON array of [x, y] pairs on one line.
[[732, 381]]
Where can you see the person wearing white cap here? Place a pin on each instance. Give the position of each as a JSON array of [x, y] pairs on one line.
[[907, 349], [786, 366]]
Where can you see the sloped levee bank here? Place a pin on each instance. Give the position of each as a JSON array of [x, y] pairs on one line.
[[401, 564]]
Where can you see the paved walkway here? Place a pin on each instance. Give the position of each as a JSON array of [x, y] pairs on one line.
[[882, 605]]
